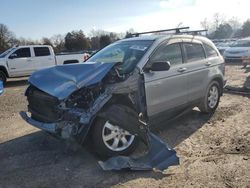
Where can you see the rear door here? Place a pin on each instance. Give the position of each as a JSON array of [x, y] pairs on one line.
[[43, 57], [166, 90], [197, 68], [20, 62]]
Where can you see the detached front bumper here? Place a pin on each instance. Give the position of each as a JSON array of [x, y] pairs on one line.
[[49, 127]]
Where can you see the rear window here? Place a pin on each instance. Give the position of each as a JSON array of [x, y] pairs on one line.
[[193, 52], [41, 51], [210, 52]]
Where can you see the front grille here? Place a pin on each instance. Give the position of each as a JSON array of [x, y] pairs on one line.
[[42, 106]]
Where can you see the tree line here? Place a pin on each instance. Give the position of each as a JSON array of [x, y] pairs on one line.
[[220, 28], [72, 41]]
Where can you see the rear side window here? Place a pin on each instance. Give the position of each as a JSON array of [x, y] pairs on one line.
[[22, 52], [171, 53], [210, 52], [193, 52], [41, 51]]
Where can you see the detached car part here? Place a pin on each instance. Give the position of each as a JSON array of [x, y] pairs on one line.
[[159, 155]]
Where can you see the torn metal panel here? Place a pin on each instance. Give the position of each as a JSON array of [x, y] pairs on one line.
[[236, 90], [50, 127], [159, 156], [98, 104]]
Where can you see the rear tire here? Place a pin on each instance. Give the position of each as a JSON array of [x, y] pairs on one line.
[[211, 100], [3, 77], [110, 140]]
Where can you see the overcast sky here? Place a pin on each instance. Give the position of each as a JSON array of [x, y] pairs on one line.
[[43, 18]]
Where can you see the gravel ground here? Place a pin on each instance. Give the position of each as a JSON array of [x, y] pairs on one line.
[[214, 151]]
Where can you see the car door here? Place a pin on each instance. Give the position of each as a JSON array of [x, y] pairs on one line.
[[20, 62], [43, 57], [197, 68], [166, 90]]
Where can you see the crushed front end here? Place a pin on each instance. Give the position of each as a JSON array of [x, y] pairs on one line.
[[65, 118], [64, 103]]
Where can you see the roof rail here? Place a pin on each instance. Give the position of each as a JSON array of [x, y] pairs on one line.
[[177, 31], [195, 32]]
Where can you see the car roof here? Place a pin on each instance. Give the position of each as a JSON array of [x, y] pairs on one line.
[[165, 37]]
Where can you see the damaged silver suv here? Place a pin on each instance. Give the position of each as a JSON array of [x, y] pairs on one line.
[[150, 78]]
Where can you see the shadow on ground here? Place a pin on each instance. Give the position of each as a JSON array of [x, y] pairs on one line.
[[16, 83], [39, 160]]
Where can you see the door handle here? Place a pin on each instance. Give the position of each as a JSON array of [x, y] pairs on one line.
[[183, 69], [208, 64], [29, 60]]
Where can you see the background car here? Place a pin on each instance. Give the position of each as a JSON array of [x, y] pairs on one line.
[[239, 52]]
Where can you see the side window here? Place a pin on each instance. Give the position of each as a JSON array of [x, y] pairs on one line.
[[210, 51], [41, 51], [171, 53], [193, 52], [22, 52]]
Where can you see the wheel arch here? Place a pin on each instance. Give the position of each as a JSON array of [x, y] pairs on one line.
[[2, 68], [219, 79], [122, 99]]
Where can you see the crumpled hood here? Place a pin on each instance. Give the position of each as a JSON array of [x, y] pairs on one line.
[[61, 81]]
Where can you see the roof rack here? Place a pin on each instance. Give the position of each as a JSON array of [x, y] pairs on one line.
[[177, 31], [194, 32]]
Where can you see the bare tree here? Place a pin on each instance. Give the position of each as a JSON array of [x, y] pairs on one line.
[[246, 29], [235, 23], [205, 24], [218, 19], [58, 42], [6, 38], [46, 41]]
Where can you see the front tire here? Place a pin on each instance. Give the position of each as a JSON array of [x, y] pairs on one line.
[[211, 100], [110, 139]]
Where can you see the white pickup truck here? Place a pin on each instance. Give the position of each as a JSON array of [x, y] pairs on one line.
[[24, 60]]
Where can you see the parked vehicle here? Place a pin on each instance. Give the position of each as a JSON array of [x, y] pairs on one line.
[[1, 87], [151, 78], [24, 60], [239, 52]]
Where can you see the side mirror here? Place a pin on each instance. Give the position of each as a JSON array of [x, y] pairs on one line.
[[159, 66], [12, 56]]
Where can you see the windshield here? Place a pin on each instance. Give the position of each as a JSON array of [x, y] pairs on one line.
[[241, 43], [127, 54], [6, 52]]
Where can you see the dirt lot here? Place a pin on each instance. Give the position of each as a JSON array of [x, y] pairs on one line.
[[214, 151]]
